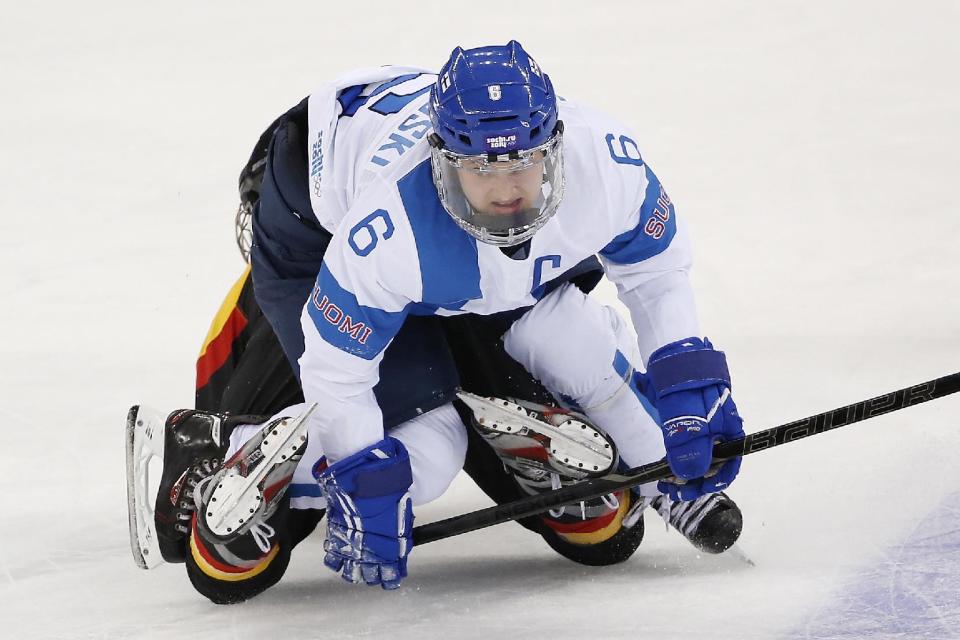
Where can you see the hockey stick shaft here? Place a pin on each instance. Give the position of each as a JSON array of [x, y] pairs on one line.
[[759, 441]]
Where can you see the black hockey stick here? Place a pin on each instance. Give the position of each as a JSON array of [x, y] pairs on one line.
[[532, 505]]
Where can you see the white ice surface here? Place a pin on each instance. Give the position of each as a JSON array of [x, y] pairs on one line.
[[812, 147]]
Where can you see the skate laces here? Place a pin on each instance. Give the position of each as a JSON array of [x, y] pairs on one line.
[[610, 500], [262, 532], [198, 490], [195, 476], [556, 484], [685, 517], [633, 515], [259, 529]]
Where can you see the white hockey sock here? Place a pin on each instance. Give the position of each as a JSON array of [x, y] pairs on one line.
[[627, 420], [436, 442]]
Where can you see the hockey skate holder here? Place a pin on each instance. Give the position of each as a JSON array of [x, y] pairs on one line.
[[238, 497], [144, 440], [576, 446]]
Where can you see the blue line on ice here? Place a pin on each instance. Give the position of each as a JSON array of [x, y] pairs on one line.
[[912, 592]]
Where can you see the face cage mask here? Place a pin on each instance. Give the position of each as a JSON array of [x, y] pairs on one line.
[[501, 229]]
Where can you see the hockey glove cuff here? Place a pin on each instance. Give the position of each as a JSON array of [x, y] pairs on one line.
[[690, 384], [369, 514]]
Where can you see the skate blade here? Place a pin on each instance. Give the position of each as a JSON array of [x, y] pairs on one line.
[[740, 555], [238, 498], [575, 447], [144, 441]]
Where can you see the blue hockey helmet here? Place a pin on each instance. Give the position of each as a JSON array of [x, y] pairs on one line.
[[496, 144], [492, 100]]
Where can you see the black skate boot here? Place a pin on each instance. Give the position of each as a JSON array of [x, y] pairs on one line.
[[241, 533], [547, 448], [194, 447], [712, 523], [191, 445]]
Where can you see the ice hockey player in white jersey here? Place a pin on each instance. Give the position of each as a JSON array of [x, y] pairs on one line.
[[416, 234]]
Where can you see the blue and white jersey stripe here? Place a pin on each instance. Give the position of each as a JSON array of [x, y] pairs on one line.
[[352, 327], [655, 228], [447, 257]]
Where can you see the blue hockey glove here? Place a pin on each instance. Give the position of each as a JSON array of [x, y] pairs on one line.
[[690, 385], [369, 514]]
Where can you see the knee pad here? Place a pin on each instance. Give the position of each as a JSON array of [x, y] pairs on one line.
[[569, 342], [437, 445]]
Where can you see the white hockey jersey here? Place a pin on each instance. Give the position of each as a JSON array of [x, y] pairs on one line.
[[395, 251]]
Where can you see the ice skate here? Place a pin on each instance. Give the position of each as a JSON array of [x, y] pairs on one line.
[[712, 523], [247, 490], [535, 441], [166, 458], [547, 448]]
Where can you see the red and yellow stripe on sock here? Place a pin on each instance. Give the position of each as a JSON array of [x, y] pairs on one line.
[[226, 326], [593, 530], [215, 567]]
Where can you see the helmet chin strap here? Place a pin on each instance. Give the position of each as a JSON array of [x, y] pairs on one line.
[[519, 251]]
